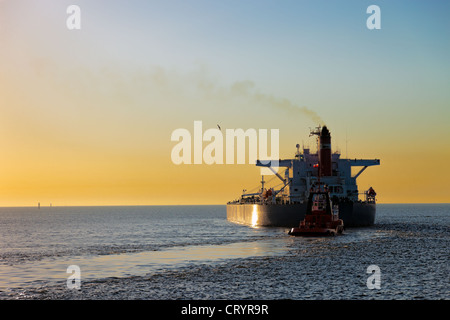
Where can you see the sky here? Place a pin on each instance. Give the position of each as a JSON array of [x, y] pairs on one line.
[[86, 115]]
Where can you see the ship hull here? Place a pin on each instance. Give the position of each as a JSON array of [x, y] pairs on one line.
[[357, 214]]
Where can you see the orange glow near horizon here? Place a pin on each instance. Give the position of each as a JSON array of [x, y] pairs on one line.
[[100, 179]]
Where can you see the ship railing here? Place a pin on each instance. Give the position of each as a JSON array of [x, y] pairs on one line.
[[265, 201]]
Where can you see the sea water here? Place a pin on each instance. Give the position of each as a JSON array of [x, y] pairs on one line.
[[193, 252]]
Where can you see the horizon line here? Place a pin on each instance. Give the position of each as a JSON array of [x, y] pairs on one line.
[[167, 205]]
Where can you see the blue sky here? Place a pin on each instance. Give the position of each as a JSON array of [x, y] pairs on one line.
[[140, 69]]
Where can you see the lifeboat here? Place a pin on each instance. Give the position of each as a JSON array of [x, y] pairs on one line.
[[321, 218]]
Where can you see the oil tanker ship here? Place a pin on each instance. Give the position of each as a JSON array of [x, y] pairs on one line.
[[286, 206]]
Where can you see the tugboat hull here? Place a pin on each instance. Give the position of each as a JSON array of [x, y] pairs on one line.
[[314, 232]]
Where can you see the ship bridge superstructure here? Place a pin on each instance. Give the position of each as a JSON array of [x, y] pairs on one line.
[[306, 170]]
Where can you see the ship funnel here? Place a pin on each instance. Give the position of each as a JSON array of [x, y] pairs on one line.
[[325, 152]]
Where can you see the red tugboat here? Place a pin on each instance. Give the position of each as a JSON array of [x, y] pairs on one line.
[[321, 218]]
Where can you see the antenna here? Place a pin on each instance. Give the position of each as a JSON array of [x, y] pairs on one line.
[[346, 144], [262, 183]]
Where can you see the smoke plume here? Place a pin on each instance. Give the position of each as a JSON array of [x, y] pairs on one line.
[[245, 88]]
